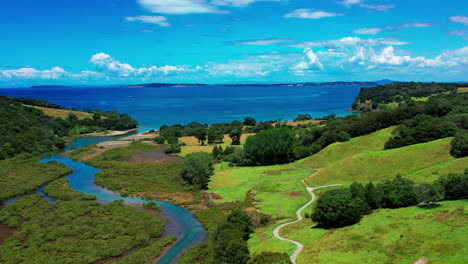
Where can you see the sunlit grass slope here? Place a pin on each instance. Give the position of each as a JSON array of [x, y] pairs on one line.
[[341, 150], [63, 113], [420, 162]]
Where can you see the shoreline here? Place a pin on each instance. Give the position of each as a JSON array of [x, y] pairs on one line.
[[110, 133]]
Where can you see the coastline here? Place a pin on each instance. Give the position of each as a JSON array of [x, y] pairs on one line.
[[110, 133]]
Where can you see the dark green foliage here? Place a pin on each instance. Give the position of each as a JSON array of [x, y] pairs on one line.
[[215, 135], [357, 190], [173, 148], [460, 144], [74, 231], [400, 92], [159, 140], [152, 205], [300, 152], [259, 126], [343, 136], [200, 134], [338, 208], [249, 121], [241, 220], [303, 117], [373, 196], [398, 193], [230, 248], [235, 135], [430, 193], [270, 258], [455, 185], [420, 129], [26, 129], [272, 146], [197, 169]]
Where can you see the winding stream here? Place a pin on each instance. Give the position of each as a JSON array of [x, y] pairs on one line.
[[181, 222]]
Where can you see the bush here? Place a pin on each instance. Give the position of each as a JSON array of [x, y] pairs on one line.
[[270, 258], [197, 169], [241, 220], [455, 185], [272, 146], [159, 140], [152, 205], [343, 136], [338, 208], [398, 193], [430, 193], [460, 144]]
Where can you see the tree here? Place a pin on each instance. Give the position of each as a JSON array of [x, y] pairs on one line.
[[338, 208], [271, 146], [398, 193], [241, 220], [197, 169], [460, 144], [343, 136], [200, 134], [215, 135], [357, 190], [229, 245], [372, 196], [430, 193], [235, 136], [249, 121], [455, 185], [303, 117], [217, 152]]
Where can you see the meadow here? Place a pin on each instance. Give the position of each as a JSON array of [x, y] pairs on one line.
[[192, 144], [62, 112]]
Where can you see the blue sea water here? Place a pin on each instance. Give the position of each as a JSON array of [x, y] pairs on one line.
[[153, 107]]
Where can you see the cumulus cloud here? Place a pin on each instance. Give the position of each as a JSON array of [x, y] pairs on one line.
[[310, 14], [261, 42], [158, 20], [111, 66], [367, 31], [310, 62], [460, 19]]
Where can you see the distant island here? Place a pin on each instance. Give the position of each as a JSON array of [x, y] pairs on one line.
[[146, 85]]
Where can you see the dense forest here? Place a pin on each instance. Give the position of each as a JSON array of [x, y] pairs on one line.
[[25, 129], [370, 98]]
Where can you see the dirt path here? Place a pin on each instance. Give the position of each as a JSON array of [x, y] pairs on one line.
[[299, 218]]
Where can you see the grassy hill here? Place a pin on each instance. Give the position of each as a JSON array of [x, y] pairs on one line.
[[409, 161], [386, 236], [62, 112]]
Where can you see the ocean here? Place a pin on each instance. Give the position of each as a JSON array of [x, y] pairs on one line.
[[155, 106]]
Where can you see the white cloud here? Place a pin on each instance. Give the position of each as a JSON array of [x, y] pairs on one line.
[[239, 3], [158, 20], [461, 32], [351, 2], [310, 62], [348, 41], [411, 25], [310, 14], [110, 66], [377, 7], [179, 6], [367, 31], [261, 42], [460, 19]]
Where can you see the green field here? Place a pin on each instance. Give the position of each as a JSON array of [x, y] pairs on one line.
[[266, 185], [413, 162], [277, 191], [389, 236]]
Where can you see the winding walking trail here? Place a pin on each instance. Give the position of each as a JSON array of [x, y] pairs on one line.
[[299, 218]]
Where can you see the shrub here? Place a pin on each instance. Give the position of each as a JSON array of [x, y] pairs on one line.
[[268, 257], [430, 193], [460, 144], [197, 169], [272, 146], [398, 193], [455, 185], [338, 208]]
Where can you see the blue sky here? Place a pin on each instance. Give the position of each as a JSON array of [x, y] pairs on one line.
[[231, 41]]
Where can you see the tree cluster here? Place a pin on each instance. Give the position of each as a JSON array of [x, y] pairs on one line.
[[342, 207], [197, 169]]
